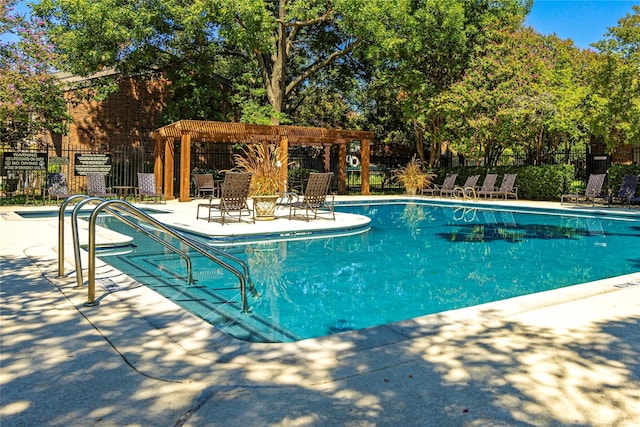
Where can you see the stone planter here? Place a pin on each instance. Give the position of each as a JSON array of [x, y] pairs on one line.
[[264, 207]]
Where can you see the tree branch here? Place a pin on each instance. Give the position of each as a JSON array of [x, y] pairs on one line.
[[265, 71], [318, 65], [324, 18]]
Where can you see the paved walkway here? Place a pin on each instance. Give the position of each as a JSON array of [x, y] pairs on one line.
[[564, 357]]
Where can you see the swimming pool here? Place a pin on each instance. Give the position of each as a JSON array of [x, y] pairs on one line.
[[418, 258]]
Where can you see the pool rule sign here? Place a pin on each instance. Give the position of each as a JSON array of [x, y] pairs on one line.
[[92, 163], [24, 161]]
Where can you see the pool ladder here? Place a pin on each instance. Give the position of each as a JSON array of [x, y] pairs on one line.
[[120, 209], [465, 193], [465, 214]]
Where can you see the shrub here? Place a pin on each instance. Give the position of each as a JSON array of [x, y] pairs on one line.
[[547, 182], [617, 173]]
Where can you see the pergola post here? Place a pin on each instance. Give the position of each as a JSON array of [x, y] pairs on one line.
[[158, 157], [169, 159], [284, 170], [364, 172], [326, 159], [342, 167], [185, 167]]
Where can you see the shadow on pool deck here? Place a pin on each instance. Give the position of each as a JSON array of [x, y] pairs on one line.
[[562, 357]]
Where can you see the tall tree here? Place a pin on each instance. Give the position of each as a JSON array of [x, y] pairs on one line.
[[31, 100], [503, 98], [287, 40], [430, 61], [562, 127], [613, 107]]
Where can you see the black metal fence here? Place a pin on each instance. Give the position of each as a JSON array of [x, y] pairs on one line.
[[124, 165]]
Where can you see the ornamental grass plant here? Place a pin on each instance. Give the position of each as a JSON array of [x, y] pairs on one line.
[[413, 177], [264, 161]]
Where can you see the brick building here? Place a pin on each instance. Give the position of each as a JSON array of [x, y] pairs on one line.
[[125, 118], [119, 125]]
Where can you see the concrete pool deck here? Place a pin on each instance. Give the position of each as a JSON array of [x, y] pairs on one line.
[[562, 357]]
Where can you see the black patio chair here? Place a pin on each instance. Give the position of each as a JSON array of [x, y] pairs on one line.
[[488, 186], [627, 191], [57, 187], [447, 186], [146, 189], [97, 186], [591, 193], [507, 187], [205, 184]]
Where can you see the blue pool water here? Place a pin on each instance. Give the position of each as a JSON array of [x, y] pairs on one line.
[[417, 259]]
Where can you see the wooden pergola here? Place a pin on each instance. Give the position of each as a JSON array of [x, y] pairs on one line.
[[186, 131]]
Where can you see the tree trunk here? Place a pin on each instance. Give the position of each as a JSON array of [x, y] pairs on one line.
[[419, 132], [436, 145], [273, 67], [540, 139], [276, 81]]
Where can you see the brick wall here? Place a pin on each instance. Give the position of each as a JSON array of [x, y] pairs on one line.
[[125, 118]]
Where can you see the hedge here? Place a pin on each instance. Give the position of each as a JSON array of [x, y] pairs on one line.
[[547, 182], [617, 173]]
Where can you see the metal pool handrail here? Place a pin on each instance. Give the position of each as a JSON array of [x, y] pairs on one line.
[[183, 239], [473, 195], [61, 211], [466, 215], [204, 247], [133, 224], [76, 239], [132, 209], [243, 265], [466, 193]]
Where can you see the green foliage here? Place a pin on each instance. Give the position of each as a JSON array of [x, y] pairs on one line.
[[544, 182], [510, 98], [293, 43], [534, 182], [613, 101], [412, 75], [299, 175], [462, 74], [617, 172], [322, 106], [31, 101], [245, 44], [196, 94]]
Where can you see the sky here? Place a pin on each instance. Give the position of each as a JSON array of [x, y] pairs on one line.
[[583, 21]]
